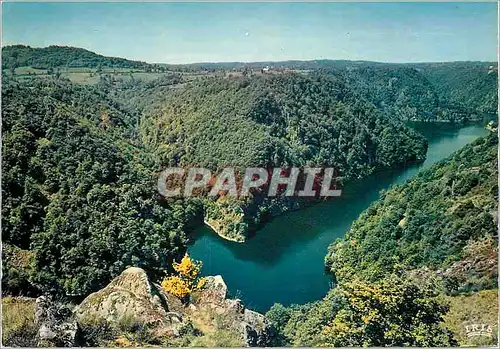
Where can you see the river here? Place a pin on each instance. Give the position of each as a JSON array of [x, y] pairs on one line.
[[284, 262]]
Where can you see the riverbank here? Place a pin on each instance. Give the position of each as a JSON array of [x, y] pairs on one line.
[[295, 243], [216, 228]]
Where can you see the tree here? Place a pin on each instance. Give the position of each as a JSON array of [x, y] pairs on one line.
[[393, 312], [426, 222], [81, 199], [396, 311], [186, 280]]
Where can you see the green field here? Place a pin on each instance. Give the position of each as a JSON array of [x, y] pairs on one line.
[[91, 76]]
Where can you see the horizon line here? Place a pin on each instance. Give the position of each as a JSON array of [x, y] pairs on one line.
[[252, 62]]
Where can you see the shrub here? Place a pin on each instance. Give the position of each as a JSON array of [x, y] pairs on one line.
[[186, 281]]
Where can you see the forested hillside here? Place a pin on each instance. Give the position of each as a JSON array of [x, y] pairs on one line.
[[346, 118], [401, 92], [313, 120], [395, 311], [80, 164], [435, 235], [466, 85], [80, 167], [443, 219], [276, 121], [78, 191], [450, 91], [61, 56]]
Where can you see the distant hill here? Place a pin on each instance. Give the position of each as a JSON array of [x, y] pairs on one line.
[[61, 56], [468, 84], [290, 64], [443, 90], [400, 91], [446, 91], [452, 92], [321, 64]]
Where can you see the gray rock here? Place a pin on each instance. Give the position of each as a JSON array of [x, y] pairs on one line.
[[217, 286], [58, 326], [235, 305], [214, 292], [255, 329], [252, 326], [130, 296]]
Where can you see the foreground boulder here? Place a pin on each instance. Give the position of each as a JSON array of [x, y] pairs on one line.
[[130, 297], [57, 325]]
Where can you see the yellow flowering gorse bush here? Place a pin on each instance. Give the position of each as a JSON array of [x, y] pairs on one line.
[[187, 280]]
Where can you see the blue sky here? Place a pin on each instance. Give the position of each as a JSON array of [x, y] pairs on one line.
[[202, 32]]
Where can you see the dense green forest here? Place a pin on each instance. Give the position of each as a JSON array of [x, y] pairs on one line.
[[77, 190], [401, 92], [61, 56], [80, 164], [443, 216], [281, 120], [465, 85], [276, 121], [85, 159], [121, 133], [395, 311], [435, 235], [449, 92]]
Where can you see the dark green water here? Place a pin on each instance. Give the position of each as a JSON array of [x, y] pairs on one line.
[[284, 262]]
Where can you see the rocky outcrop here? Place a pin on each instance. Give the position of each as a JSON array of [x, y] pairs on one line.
[[214, 291], [253, 327], [130, 296], [256, 330], [478, 268], [57, 325]]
